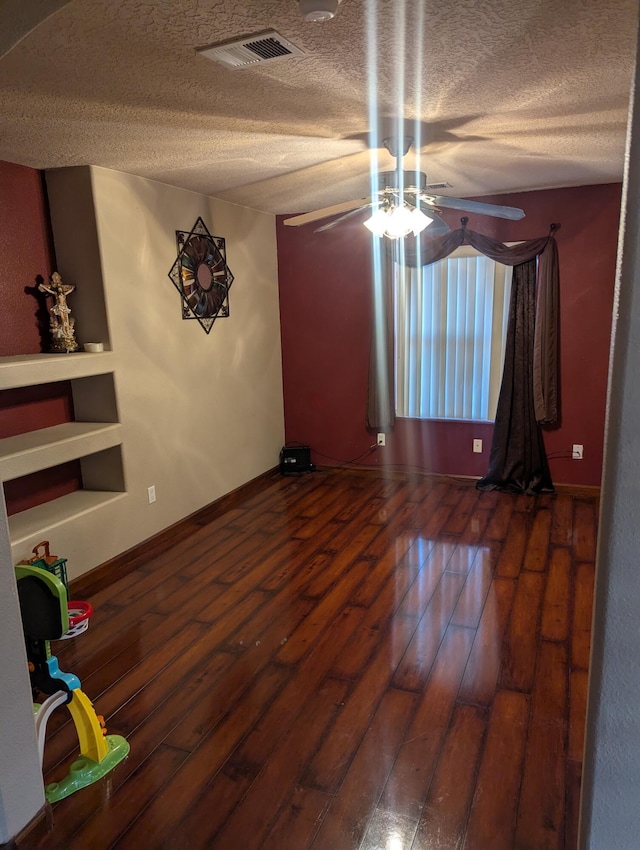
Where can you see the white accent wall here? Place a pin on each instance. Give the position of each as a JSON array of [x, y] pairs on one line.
[[200, 414]]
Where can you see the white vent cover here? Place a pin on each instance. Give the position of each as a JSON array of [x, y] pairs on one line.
[[431, 186], [251, 50]]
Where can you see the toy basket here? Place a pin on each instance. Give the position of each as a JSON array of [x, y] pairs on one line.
[[79, 613]]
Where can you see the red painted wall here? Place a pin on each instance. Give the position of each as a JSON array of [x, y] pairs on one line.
[[26, 259], [325, 305], [24, 409]]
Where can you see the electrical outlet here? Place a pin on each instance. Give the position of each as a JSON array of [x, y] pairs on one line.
[[576, 452], [477, 446], [151, 492], [382, 440]]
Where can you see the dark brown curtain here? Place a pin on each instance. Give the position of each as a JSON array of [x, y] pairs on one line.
[[518, 462], [422, 251]]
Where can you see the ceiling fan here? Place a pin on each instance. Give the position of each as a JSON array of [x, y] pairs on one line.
[[402, 203]]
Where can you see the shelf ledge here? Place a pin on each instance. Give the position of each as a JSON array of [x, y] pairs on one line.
[[35, 450], [39, 521], [24, 370]]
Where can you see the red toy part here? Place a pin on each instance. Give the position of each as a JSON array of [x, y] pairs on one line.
[[79, 613]]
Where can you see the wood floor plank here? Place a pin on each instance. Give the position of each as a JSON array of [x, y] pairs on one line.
[[391, 504], [434, 524], [410, 778], [458, 520], [481, 676], [173, 802], [276, 723], [521, 639], [515, 543], [386, 612], [317, 499], [433, 566], [247, 557], [424, 510], [492, 819], [499, 522], [196, 663], [209, 813], [555, 608], [562, 520], [583, 585], [307, 560], [474, 592], [139, 631], [326, 513], [386, 823], [332, 759], [577, 713], [303, 638], [103, 829], [477, 522], [256, 813], [348, 816], [462, 559], [413, 670], [343, 556], [298, 822], [541, 811], [443, 821], [392, 530], [584, 538], [572, 806], [536, 554], [402, 554], [200, 720]]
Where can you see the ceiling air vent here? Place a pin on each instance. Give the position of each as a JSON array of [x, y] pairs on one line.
[[432, 186], [251, 50]]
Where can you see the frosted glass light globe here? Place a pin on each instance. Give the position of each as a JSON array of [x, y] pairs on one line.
[[318, 10]]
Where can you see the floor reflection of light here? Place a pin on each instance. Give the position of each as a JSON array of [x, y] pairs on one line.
[[395, 842]]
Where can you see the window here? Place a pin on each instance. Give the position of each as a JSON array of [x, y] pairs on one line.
[[451, 325]]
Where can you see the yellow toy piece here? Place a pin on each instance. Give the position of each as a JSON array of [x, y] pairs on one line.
[[93, 744]]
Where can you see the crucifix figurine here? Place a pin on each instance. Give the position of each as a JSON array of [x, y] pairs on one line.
[[61, 324]]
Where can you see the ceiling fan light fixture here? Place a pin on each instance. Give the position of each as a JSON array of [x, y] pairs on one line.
[[397, 222], [377, 224], [318, 10], [420, 220]]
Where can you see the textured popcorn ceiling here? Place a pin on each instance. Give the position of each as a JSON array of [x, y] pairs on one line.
[[508, 94]]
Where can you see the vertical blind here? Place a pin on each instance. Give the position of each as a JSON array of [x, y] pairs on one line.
[[450, 330]]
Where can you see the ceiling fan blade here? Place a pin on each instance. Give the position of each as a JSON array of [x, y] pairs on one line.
[[344, 217], [305, 218], [495, 210]]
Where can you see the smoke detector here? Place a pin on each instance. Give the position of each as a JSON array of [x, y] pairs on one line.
[[318, 10]]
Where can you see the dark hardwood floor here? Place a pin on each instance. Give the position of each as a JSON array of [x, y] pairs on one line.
[[343, 662]]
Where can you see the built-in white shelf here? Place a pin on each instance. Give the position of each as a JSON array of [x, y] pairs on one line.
[[47, 447], [43, 518], [24, 370]]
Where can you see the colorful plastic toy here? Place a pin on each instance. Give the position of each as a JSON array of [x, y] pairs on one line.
[[45, 617]]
